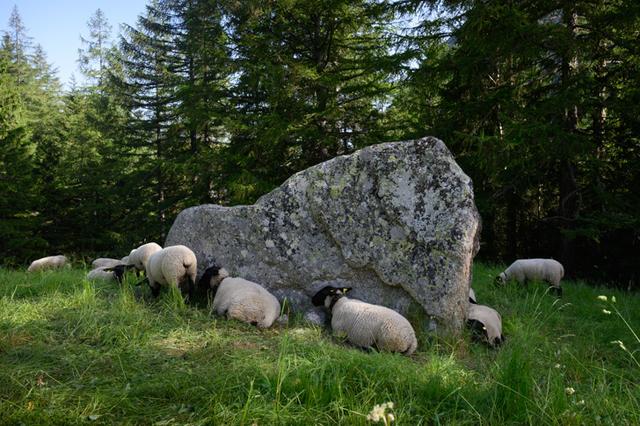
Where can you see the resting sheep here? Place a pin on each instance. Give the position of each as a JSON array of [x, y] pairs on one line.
[[172, 266], [101, 273], [366, 325], [486, 323], [240, 299], [105, 262], [50, 262], [524, 270], [472, 296]]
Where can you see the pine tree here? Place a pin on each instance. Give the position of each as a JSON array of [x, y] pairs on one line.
[[308, 79], [18, 214], [93, 57]]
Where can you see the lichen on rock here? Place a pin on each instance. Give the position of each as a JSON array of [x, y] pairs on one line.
[[395, 221]]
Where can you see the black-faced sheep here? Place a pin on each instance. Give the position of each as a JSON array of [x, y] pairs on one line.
[[108, 273], [485, 323], [366, 325], [49, 262], [523, 270], [172, 266], [240, 299], [472, 296], [104, 273]]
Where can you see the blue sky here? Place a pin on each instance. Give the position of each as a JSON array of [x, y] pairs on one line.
[[57, 25]]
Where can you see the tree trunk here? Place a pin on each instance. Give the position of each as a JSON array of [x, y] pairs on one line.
[[569, 204]]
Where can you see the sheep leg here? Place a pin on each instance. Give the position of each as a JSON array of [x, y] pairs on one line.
[[155, 289], [555, 290]]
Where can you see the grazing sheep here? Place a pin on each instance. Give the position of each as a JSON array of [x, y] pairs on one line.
[[472, 296], [485, 323], [140, 256], [523, 270], [240, 299], [105, 262], [50, 262], [366, 325], [175, 265]]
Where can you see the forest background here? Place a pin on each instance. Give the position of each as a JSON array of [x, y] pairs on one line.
[[221, 101]]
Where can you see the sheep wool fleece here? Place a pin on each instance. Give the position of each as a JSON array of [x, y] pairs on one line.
[[368, 325], [105, 262], [246, 301], [50, 262], [169, 265], [490, 319], [549, 270], [140, 256]]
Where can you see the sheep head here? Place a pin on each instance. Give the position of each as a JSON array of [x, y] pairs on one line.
[[212, 277], [324, 296]]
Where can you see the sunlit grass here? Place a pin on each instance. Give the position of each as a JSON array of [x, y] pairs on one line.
[[73, 352]]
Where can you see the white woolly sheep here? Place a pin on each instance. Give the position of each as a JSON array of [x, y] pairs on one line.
[[175, 266], [240, 299], [140, 256], [367, 325], [101, 273], [105, 262], [485, 323], [523, 270], [49, 262]]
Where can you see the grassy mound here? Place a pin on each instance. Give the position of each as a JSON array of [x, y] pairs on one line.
[[77, 352]]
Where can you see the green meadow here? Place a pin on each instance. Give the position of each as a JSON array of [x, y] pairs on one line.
[[75, 352]]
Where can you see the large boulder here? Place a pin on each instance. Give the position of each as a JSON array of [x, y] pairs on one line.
[[395, 221]]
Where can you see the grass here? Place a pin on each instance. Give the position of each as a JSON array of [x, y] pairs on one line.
[[72, 352]]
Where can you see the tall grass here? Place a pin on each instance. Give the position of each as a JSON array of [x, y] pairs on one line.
[[78, 352]]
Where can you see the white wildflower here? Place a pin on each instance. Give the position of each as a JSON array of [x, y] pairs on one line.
[[603, 298], [569, 391], [604, 311], [613, 299], [379, 413]]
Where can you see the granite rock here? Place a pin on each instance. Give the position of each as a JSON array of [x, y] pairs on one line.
[[395, 221]]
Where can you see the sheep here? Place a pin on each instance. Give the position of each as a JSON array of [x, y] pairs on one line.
[[485, 323], [366, 325], [174, 265], [108, 273], [140, 256], [524, 270], [50, 262], [472, 296], [240, 299], [101, 273], [104, 262]]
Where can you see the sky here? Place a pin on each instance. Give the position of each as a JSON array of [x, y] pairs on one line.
[[57, 25]]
